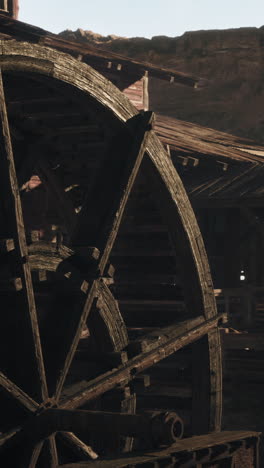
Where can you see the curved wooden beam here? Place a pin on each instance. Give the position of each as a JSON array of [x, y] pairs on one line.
[[184, 231], [106, 323], [45, 62]]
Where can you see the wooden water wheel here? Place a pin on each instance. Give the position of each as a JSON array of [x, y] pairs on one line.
[[108, 319]]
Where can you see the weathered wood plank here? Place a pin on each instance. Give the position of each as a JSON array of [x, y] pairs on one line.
[[33, 364], [52, 63], [106, 323], [157, 337], [47, 256], [52, 447], [100, 222], [83, 451], [215, 359], [35, 455], [137, 365], [46, 68], [179, 450], [128, 405]]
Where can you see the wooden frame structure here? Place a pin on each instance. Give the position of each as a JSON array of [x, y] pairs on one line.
[[9, 7], [223, 177], [104, 179]]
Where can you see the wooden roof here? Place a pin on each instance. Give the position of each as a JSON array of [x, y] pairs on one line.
[[193, 139], [211, 163], [100, 60]]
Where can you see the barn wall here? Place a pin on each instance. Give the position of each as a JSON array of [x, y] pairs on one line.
[[10, 7], [137, 92]]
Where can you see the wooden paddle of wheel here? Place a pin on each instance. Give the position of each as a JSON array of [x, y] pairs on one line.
[[69, 366]]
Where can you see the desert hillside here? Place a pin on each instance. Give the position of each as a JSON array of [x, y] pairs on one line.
[[233, 61]]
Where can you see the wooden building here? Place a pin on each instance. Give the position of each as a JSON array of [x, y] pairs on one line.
[[9, 8], [110, 347], [223, 176]]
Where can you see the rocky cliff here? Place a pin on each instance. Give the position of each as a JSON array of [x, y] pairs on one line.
[[233, 61]]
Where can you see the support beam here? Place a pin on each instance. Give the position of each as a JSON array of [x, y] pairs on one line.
[[156, 428], [136, 365], [155, 339], [99, 222]]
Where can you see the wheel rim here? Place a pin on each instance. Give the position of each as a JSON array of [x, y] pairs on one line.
[[38, 387]]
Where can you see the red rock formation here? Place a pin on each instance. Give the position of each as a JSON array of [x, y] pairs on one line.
[[231, 59]]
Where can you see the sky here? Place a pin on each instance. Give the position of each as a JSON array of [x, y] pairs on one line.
[[142, 18]]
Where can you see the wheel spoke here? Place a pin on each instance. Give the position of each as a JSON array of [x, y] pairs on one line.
[[15, 392], [35, 455], [8, 436], [16, 455], [106, 323], [32, 374], [100, 221], [78, 447], [72, 337], [96, 225], [183, 334], [48, 456], [52, 447], [101, 158]]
